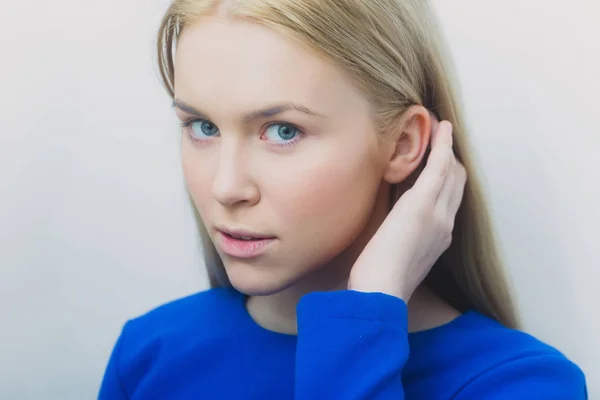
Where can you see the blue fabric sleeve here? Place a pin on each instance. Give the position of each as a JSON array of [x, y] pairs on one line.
[[351, 345], [548, 377], [112, 388]]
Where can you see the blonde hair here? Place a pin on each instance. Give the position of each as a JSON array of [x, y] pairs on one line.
[[394, 53]]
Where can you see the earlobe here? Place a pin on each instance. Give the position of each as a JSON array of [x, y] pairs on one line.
[[409, 146]]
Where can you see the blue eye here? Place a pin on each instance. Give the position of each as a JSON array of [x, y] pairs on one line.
[[281, 132], [201, 128]]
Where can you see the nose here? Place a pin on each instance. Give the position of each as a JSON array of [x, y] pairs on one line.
[[232, 184]]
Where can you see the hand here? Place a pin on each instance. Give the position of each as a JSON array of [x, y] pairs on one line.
[[418, 229]]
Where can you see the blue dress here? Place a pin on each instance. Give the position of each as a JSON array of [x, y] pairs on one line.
[[350, 345]]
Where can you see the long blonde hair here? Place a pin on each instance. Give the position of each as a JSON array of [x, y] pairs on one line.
[[395, 55]]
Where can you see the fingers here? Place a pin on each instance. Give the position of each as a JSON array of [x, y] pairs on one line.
[[456, 193], [446, 192], [435, 124], [451, 194], [433, 177], [443, 179]]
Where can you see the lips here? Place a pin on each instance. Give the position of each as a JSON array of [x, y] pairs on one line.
[[244, 234], [242, 237], [242, 243]]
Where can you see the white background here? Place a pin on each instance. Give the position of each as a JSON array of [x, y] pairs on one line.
[[94, 224]]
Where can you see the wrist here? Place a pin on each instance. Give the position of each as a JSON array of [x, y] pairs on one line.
[[386, 288]]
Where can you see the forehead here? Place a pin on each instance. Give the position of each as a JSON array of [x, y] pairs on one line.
[[241, 63]]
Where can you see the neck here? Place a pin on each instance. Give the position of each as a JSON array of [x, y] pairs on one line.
[[277, 312]]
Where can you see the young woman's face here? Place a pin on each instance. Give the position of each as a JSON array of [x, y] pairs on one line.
[[279, 147]]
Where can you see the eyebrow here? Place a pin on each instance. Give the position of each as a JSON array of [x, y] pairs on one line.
[[264, 113]]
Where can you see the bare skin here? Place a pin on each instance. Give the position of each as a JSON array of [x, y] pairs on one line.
[[315, 177]]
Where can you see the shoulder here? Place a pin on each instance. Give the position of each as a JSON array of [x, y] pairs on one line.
[[491, 358], [198, 320], [198, 313], [158, 345], [485, 338], [513, 361]]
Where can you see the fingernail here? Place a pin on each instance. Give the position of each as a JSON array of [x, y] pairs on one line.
[[448, 126]]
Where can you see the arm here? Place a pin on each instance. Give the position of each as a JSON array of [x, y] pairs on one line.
[[544, 377], [112, 388], [351, 345]]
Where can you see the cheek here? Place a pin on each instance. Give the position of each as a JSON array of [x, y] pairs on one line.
[[198, 176], [330, 196]]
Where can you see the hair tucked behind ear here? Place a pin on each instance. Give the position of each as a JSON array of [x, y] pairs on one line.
[[395, 55]]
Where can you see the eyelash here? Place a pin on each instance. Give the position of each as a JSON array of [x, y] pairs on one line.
[[186, 125]]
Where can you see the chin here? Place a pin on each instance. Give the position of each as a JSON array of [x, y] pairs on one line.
[[253, 281]]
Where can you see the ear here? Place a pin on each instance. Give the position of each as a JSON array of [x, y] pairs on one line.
[[407, 147]]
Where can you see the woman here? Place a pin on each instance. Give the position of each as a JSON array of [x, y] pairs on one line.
[[339, 231]]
